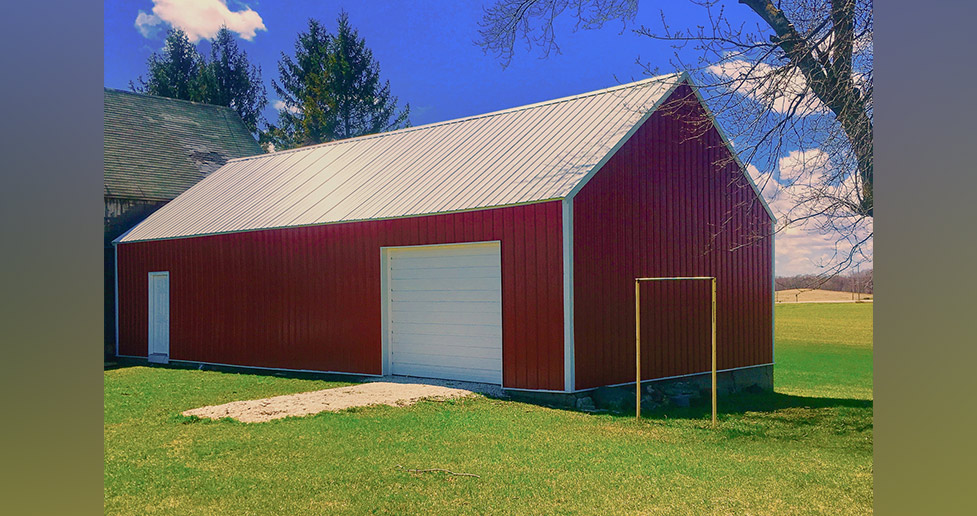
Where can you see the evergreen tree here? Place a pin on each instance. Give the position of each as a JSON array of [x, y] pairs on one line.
[[176, 72], [331, 90], [230, 80]]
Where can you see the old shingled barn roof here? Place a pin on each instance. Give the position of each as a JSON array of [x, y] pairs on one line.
[[520, 155], [157, 147]]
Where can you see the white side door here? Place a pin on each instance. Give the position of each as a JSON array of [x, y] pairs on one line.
[[159, 317]]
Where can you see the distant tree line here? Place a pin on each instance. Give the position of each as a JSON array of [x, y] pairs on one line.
[[860, 281], [329, 90]]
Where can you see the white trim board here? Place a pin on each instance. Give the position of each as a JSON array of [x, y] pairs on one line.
[[317, 371], [384, 312], [547, 391], [115, 249], [773, 292], [569, 367]]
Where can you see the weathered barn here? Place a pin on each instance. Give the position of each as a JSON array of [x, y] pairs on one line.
[[154, 149], [499, 248]]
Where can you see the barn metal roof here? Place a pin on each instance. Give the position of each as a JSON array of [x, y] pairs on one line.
[[515, 156]]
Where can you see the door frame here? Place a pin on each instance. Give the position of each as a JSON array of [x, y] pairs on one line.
[[385, 348], [151, 321]]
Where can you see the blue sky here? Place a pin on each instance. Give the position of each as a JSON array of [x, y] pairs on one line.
[[427, 52], [425, 49]]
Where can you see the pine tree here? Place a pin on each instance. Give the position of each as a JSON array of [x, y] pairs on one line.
[[230, 80], [176, 72], [331, 90]]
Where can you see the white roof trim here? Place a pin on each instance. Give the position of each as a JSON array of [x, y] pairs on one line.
[[123, 235], [586, 179]]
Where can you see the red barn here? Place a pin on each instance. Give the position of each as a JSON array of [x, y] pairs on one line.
[[499, 248]]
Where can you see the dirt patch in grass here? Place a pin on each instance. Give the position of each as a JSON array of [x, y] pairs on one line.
[[305, 403]]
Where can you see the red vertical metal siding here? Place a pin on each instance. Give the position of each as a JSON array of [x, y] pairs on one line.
[[669, 205], [310, 298]]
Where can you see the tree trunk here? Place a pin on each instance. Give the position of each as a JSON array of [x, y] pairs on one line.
[[830, 82]]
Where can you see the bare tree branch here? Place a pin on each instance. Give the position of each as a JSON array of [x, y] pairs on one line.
[[793, 90]]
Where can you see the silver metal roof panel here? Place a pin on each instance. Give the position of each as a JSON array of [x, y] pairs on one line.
[[515, 156]]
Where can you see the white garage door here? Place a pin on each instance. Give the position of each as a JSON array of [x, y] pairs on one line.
[[445, 311]]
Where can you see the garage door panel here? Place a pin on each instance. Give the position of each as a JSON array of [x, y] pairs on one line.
[[470, 318], [412, 296], [465, 273], [406, 307], [443, 284], [425, 340], [451, 373], [444, 309], [461, 362], [440, 261], [457, 330], [441, 251]]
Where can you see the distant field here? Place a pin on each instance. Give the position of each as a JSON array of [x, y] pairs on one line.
[[796, 295], [824, 350], [804, 449]]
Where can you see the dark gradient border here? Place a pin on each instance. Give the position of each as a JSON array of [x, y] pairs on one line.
[[50, 207], [926, 248], [926, 252]]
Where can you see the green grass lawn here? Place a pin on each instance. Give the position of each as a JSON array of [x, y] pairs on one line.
[[824, 350], [805, 449]]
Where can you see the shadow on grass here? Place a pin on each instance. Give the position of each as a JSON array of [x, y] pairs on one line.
[[741, 403]]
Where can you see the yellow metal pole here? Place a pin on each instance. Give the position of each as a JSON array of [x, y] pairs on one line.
[[713, 352], [637, 349]]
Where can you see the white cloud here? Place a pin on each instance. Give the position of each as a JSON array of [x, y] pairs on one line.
[[809, 247], [805, 166], [783, 89], [199, 19], [147, 24], [806, 251], [280, 106]]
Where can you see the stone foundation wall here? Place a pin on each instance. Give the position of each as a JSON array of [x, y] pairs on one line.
[[656, 393]]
